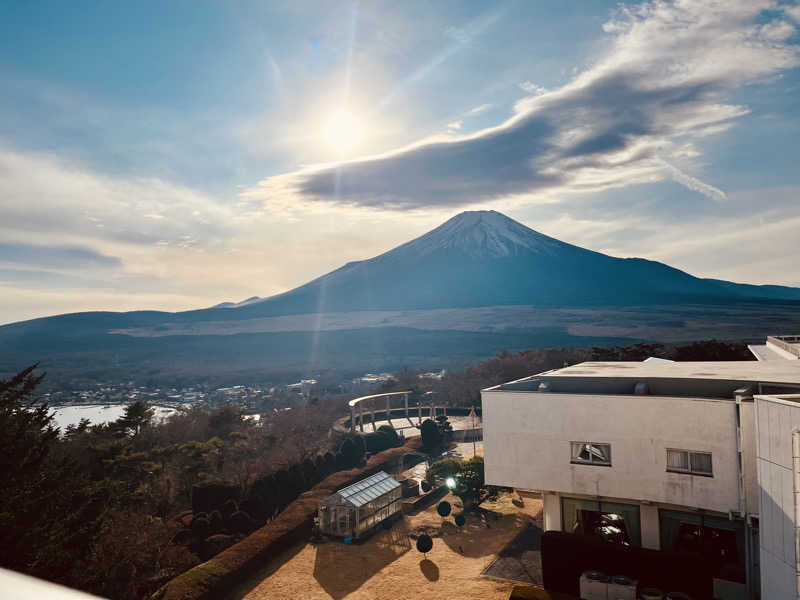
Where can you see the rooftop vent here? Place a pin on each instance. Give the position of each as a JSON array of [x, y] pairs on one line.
[[544, 386]]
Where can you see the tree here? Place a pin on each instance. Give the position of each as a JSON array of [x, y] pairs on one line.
[[136, 417], [470, 481], [50, 514], [445, 428], [442, 469], [351, 451], [225, 420], [431, 437], [424, 543]]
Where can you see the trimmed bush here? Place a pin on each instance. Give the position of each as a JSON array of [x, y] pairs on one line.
[[429, 432], [228, 508], [444, 508], [201, 528], [424, 543], [460, 519], [208, 495], [182, 538], [241, 522], [217, 576], [442, 469], [216, 522]]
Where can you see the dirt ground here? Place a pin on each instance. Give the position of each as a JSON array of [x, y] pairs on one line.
[[388, 565]]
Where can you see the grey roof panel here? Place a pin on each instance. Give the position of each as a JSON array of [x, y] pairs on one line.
[[367, 490]]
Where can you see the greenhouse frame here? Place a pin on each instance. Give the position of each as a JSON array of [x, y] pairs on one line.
[[355, 510]]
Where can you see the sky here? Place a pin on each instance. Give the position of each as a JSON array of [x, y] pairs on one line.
[[173, 155]]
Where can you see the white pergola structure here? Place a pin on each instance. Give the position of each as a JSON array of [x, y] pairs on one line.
[[371, 402]]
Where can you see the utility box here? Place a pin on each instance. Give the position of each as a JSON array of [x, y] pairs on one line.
[[621, 588], [594, 586]]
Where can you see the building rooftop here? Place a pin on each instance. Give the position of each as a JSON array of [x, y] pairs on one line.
[[367, 490], [690, 379]]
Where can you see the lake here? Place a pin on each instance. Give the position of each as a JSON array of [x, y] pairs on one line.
[[98, 413]]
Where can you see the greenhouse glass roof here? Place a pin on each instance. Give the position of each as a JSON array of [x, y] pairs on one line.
[[366, 490]]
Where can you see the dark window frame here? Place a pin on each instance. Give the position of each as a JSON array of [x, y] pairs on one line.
[[593, 461], [691, 470]]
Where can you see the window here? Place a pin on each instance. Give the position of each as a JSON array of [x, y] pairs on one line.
[[686, 461], [591, 453], [720, 540], [611, 521]]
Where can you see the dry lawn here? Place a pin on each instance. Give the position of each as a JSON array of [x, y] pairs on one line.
[[388, 565]]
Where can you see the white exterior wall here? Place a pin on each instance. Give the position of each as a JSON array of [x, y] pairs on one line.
[[527, 439], [775, 422], [749, 467]]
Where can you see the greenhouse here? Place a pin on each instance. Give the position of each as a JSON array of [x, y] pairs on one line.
[[357, 509]]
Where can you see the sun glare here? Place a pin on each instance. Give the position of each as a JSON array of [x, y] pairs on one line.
[[343, 132]]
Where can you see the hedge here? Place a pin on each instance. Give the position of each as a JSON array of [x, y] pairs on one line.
[[217, 576]]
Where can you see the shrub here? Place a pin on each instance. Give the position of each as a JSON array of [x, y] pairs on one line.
[[310, 474], [228, 508], [460, 519], [424, 543], [431, 437], [201, 528], [443, 509], [241, 522], [350, 452], [216, 522], [470, 481], [426, 486], [441, 469], [383, 439], [445, 429], [330, 462], [182, 538], [208, 495]]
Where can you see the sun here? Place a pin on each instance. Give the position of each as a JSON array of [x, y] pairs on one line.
[[343, 132]]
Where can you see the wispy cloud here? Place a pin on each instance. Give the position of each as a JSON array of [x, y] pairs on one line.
[[531, 88], [665, 81], [478, 110]]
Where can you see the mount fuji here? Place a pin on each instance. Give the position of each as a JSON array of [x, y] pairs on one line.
[[477, 283], [483, 258]]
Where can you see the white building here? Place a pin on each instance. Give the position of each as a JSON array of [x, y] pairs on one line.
[[683, 452]]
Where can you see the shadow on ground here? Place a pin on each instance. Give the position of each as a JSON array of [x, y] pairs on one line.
[[341, 569], [429, 569], [521, 559], [470, 539], [250, 583]]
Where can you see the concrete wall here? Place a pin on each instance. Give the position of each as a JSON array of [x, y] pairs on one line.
[[775, 422], [749, 467], [527, 445]]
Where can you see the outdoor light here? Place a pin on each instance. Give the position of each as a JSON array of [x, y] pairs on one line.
[[450, 482]]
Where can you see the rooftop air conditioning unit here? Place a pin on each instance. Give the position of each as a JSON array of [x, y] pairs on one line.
[[621, 588], [651, 594], [594, 586]]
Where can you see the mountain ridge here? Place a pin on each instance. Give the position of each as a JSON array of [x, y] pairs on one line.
[[476, 258]]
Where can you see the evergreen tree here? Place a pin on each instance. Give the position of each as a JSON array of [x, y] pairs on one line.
[[49, 513], [136, 417]]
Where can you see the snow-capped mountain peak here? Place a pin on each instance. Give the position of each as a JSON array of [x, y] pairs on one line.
[[482, 233]]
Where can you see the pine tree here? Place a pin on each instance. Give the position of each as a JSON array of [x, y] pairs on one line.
[[49, 512]]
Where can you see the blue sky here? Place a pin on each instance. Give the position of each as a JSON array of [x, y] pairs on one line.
[[174, 155]]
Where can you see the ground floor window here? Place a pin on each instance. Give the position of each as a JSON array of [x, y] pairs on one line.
[[612, 521], [718, 538]]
